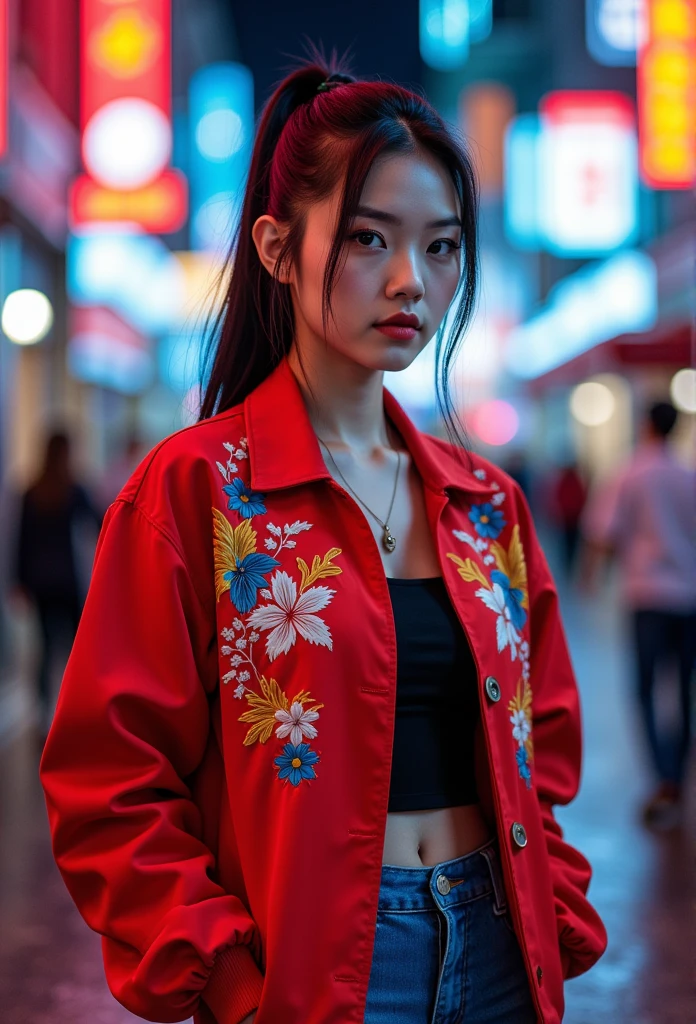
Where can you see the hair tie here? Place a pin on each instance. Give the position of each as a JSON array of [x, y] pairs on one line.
[[332, 81]]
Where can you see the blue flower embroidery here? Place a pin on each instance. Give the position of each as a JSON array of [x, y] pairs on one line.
[[513, 599], [243, 500], [488, 521], [295, 763], [247, 578], [523, 766]]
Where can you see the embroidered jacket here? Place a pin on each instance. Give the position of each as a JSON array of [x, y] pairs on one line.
[[217, 772]]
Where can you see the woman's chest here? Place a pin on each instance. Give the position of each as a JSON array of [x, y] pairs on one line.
[[307, 638]]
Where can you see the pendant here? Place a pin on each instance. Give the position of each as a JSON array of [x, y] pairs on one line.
[[388, 539]]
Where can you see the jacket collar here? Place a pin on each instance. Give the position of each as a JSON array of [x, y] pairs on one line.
[[284, 451]]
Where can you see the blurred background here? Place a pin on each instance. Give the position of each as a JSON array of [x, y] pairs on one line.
[[126, 128]]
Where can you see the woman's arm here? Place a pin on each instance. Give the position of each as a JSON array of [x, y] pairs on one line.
[[131, 724]]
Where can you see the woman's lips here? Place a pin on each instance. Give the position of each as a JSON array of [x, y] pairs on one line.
[[397, 332]]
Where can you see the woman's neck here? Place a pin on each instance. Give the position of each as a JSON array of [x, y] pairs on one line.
[[344, 401]]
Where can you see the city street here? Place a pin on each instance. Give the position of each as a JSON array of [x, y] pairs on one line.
[[51, 970]]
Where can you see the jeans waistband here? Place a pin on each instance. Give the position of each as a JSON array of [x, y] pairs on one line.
[[470, 877]]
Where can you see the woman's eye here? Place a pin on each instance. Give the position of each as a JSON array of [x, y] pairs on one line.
[[365, 238], [451, 245]]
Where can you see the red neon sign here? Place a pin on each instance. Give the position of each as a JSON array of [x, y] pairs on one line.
[[126, 52], [4, 75], [160, 207], [667, 95]]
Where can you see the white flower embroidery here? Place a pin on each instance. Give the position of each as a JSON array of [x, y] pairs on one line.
[[480, 473], [229, 675], [506, 633], [296, 723], [253, 637], [270, 543], [238, 624], [227, 634], [266, 594], [275, 530], [521, 727], [498, 498], [244, 677], [225, 649], [237, 659], [290, 615], [240, 644], [466, 538], [488, 559], [524, 649], [239, 692], [296, 527]]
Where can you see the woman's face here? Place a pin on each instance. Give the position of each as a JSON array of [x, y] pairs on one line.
[[402, 255]]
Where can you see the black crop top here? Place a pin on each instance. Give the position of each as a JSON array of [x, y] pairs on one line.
[[437, 706]]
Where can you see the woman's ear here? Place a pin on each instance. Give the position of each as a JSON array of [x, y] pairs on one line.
[[268, 235]]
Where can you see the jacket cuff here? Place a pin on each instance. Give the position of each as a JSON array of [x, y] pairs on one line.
[[234, 987]]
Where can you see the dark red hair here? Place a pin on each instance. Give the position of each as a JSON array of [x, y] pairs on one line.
[[308, 142]]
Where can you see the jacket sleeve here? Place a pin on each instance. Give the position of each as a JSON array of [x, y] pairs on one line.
[[557, 760], [131, 724]]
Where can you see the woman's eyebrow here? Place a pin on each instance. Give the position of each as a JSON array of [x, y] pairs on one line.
[[389, 218]]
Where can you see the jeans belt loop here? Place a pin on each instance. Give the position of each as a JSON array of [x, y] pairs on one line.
[[500, 900]]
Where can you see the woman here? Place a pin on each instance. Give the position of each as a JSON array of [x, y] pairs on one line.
[[321, 704]]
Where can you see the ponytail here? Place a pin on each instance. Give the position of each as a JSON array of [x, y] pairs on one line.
[[254, 329]]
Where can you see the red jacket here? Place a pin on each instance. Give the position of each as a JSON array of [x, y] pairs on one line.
[[217, 772]]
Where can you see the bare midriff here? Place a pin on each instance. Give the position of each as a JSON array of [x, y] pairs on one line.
[[423, 838]]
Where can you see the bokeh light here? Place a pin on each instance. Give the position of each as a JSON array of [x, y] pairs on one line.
[[683, 389], [27, 316], [495, 422], [592, 403], [127, 143]]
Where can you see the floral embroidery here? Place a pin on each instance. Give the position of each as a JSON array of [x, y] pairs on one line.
[[520, 708], [503, 589], [295, 763], [290, 615], [289, 612], [243, 500], [239, 567], [488, 521]]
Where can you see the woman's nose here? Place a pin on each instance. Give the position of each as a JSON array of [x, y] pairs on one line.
[[406, 277]]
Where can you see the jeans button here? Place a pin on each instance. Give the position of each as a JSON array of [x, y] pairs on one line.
[[443, 885]]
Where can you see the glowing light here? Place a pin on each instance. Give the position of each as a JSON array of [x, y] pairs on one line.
[[27, 316], [220, 134], [614, 29], [127, 143], [444, 33], [588, 165], [495, 422], [683, 389], [667, 94], [592, 403], [583, 310], [221, 115]]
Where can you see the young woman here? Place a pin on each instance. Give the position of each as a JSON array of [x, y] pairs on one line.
[[320, 706]]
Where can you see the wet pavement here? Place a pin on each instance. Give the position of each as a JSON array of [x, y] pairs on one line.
[[643, 886]]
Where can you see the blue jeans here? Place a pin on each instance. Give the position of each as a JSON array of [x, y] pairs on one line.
[[445, 949]]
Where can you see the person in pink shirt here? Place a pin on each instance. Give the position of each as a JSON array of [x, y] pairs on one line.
[[646, 518]]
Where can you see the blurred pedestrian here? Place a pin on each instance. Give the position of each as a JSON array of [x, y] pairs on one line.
[[46, 570], [646, 517], [567, 497]]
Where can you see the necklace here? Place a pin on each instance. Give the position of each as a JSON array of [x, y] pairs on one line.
[[388, 538]]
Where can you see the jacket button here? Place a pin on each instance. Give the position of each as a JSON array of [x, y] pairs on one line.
[[443, 885], [519, 834], [492, 689]]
